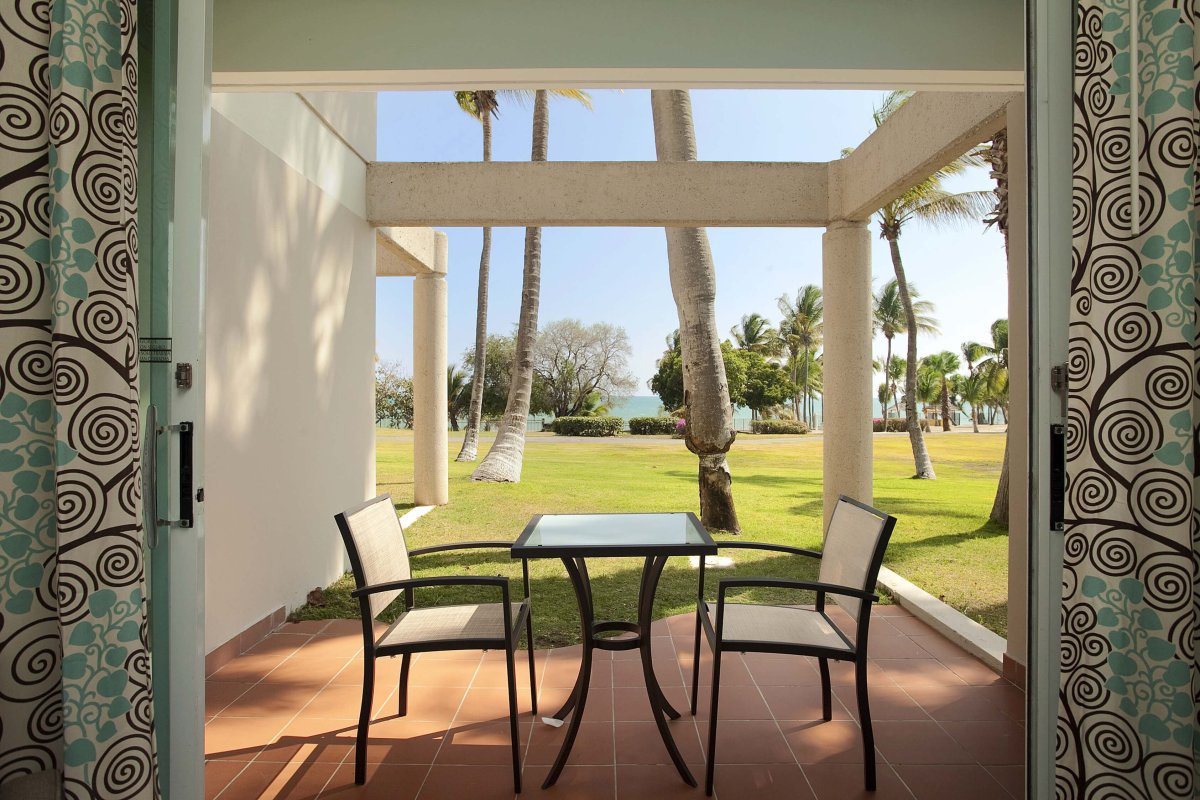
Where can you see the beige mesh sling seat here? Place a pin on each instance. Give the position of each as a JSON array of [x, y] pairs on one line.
[[379, 559], [854, 545]]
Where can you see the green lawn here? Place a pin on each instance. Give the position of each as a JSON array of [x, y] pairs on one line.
[[942, 540]]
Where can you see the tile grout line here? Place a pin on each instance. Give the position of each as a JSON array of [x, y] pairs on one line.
[[450, 725]]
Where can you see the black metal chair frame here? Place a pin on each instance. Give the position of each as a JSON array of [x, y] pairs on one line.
[[857, 652], [371, 652]]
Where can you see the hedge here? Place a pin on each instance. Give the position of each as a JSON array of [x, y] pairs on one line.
[[588, 426], [778, 426], [895, 425], [649, 426]]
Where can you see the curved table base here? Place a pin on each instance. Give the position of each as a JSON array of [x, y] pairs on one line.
[[660, 708]]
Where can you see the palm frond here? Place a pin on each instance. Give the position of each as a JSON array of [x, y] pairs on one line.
[[953, 208]]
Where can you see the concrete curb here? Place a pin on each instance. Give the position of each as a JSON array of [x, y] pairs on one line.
[[968, 634], [414, 514]]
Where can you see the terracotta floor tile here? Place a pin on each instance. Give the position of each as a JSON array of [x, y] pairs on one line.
[[967, 703], [594, 745], [888, 701], [248, 668], [306, 670], [843, 673], [629, 673], [846, 782], [990, 743], [735, 703], [401, 741], [313, 740], [750, 742], [271, 700], [387, 672], [492, 674], [815, 742], [917, 742], [264, 781], [631, 704], [951, 782], [562, 671], [344, 702], [891, 610], [894, 645], [453, 655], [641, 782], [218, 695], [733, 671], [1012, 778], [973, 671], [574, 783], [482, 743], [908, 625], [307, 626], [384, 782], [776, 671], [233, 738], [761, 782], [798, 703], [218, 774], [908, 672], [640, 742], [342, 627], [488, 704], [938, 646], [599, 703], [283, 643], [429, 703], [343, 646], [475, 783]]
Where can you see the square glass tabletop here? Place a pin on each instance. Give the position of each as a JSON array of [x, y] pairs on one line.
[[576, 535]]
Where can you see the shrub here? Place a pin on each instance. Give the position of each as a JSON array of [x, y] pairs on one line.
[[895, 425], [778, 426], [588, 426], [650, 426]]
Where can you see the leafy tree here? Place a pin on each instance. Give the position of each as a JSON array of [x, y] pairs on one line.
[[499, 359], [667, 381], [393, 395], [766, 383], [576, 361], [928, 201]]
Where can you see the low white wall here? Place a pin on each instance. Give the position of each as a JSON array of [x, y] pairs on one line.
[[290, 341]]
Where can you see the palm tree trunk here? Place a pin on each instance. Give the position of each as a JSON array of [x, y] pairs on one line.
[[804, 389], [945, 406], [887, 382], [975, 420], [503, 461], [998, 156], [921, 460], [1000, 504], [470, 445], [709, 433]]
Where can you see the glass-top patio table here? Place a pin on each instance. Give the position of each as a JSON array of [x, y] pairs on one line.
[[576, 537]]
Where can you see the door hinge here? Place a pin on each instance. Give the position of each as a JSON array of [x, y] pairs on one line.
[[183, 375]]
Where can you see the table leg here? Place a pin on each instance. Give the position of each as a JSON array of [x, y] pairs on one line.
[[577, 570], [658, 702]]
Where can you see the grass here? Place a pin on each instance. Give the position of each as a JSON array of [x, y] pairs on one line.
[[942, 541]]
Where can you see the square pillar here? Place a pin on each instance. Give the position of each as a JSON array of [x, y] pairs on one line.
[[431, 458], [846, 400]]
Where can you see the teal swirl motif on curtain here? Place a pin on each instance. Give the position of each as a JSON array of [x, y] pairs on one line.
[[75, 694], [1128, 695]]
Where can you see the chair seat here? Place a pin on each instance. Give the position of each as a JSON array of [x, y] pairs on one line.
[[449, 624], [786, 625]]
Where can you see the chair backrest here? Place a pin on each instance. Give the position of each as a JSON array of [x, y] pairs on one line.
[[854, 546], [374, 541]]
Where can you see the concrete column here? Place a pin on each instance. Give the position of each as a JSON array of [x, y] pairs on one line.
[[846, 402], [1016, 656], [430, 456]]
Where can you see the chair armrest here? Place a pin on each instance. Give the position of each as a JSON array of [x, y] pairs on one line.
[[441, 548], [779, 548], [443, 580], [781, 583]]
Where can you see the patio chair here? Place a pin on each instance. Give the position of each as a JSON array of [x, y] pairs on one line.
[[853, 552], [379, 559]]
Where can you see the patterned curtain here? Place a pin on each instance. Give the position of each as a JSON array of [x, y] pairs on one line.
[[75, 699], [1127, 714]]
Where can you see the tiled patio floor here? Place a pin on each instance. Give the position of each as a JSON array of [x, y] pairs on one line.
[[280, 723]]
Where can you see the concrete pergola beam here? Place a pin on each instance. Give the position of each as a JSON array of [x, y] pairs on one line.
[[405, 252], [925, 134], [626, 193]]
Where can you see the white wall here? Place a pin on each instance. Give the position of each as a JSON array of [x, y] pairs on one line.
[[291, 336]]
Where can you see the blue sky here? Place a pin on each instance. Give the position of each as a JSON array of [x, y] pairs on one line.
[[619, 275]]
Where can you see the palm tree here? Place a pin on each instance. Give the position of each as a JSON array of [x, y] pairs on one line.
[[801, 327], [503, 461], [755, 334], [896, 369], [929, 202], [971, 390], [890, 318], [483, 105], [457, 397], [709, 433], [942, 366]]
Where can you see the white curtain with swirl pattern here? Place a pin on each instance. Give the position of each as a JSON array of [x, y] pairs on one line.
[[75, 695]]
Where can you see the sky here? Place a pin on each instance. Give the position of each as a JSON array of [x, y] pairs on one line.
[[619, 275]]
